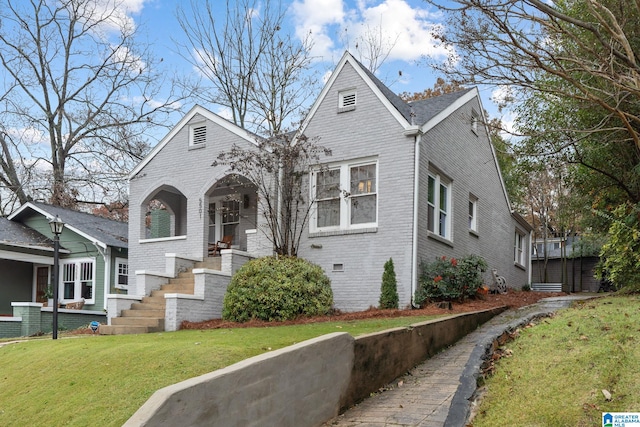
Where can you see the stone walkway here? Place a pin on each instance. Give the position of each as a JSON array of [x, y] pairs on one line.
[[439, 391]]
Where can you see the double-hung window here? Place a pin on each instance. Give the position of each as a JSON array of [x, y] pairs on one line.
[[518, 250], [473, 213], [328, 198], [78, 279], [345, 196], [439, 206], [122, 273]]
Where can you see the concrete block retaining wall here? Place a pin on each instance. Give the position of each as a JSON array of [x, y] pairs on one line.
[[305, 384]]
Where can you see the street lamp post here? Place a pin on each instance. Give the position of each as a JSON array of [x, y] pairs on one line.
[[56, 228]]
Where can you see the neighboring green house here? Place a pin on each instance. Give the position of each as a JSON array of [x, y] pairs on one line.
[[93, 261]]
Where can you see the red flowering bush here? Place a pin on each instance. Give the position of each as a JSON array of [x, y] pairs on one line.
[[448, 279]]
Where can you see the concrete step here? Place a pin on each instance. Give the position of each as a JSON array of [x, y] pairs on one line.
[[184, 281], [212, 263], [147, 306], [173, 289], [142, 313], [124, 329], [154, 300], [153, 322], [185, 275]]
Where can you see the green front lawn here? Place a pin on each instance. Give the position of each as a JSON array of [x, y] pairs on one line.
[[102, 380], [560, 367]]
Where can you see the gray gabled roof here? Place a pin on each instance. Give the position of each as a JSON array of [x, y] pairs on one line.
[[16, 234], [103, 231], [426, 109], [415, 112]]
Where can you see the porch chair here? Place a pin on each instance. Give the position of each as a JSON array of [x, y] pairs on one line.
[[225, 243]]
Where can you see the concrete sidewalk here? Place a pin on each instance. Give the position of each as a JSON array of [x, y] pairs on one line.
[[438, 392]]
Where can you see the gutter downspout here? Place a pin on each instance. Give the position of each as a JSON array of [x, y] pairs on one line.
[[415, 132], [529, 272]]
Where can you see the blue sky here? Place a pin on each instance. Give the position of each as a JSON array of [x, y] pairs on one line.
[[335, 25]]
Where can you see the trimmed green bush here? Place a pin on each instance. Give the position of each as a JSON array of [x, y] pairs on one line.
[[389, 288], [276, 289], [448, 279]]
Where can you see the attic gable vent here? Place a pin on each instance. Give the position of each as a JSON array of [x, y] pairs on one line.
[[198, 135], [346, 100]]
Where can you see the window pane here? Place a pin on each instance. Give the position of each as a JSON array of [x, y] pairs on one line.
[[69, 290], [363, 179], [443, 198], [328, 213], [230, 211], [69, 277], [328, 184], [431, 218], [229, 230], [443, 224], [123, 274], [431, 197], [363, 209]]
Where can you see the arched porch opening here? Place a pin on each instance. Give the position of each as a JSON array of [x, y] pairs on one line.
[[164, 213], [232, 210]]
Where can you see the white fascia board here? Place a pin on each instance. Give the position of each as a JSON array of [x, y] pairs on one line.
[[197, 109], [31, 258], [34, 247], [450, 109]]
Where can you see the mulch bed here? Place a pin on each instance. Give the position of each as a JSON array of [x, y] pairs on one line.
[[512, 299]]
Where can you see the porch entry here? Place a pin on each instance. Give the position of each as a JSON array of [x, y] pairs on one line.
[[224, 218]]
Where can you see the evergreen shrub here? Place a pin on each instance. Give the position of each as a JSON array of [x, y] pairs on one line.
[[276, 289], [389, 288], [620, 256], [448, 279]]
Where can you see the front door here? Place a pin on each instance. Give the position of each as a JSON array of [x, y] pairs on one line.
[[224, 217], [42, 282]]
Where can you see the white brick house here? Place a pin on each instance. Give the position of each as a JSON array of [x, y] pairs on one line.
[[421, 181]]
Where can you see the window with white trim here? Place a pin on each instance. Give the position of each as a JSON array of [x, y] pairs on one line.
[[77, 280], [473, 213], [122, 273], [347, 100], [518, 249], [345, 197], [439, 205], [197, 135]]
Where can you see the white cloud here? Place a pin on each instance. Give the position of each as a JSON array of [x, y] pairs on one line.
[[334, 25], [321, 18], [114, 15]]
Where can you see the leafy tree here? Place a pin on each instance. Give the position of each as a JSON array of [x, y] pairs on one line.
[[250, 64], [440, 87], [79, 91], [620, 256], [278, 166], [389, 288], [572, 71]]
